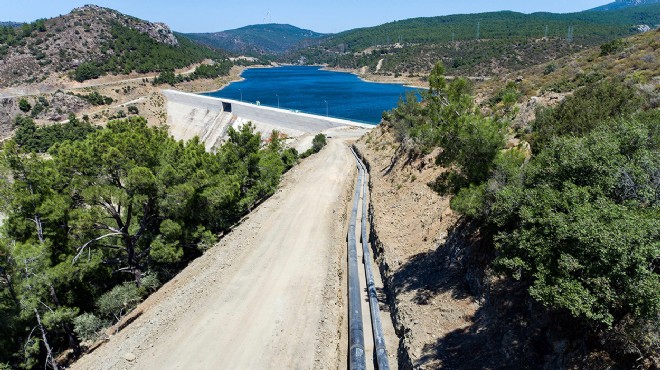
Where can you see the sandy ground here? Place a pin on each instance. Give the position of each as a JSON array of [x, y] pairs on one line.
[[412, 224], [270, 295]]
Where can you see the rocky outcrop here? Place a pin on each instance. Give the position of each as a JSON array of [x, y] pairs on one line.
[[63, 43], [157, 31]]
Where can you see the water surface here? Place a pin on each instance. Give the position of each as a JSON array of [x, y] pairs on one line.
[[312, 90]]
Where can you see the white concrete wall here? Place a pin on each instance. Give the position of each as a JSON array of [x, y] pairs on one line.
[[191, 115]]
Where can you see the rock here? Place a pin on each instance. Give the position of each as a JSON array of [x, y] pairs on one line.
[[129, 357]]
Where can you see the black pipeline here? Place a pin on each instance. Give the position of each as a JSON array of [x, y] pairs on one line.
[[356, 330], [377, 326], [356, 357]]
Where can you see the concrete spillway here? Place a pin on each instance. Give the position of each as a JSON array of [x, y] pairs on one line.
[[190, 115]]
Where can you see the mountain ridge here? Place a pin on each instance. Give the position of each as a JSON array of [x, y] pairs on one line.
[[91, 41], [474, 44], [620, 4], [260, 39]]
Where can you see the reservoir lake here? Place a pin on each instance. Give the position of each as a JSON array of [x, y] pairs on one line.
[[316, 91]]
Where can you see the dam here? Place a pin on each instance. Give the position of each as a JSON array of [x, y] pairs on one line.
[[209, 118]]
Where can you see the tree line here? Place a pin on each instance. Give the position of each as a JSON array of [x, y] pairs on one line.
[[128, 50], [104, 218]]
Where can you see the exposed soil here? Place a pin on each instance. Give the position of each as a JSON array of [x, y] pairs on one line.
[[411, 222], [127, 90]]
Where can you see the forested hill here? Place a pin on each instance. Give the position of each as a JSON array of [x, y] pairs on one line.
[[619, 4], [10, 24], [476, 43], [92, 41], [258, 39]]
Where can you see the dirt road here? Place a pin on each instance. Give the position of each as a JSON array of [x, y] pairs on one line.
[[269, 296]]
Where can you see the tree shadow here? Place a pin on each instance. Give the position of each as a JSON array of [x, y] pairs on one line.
[[457, 267], [507, 332]]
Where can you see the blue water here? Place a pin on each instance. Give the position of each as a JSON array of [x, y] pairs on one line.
[[307, 89]]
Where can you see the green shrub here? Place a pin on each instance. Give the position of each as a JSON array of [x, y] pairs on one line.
[[24, 105], [117, 302], [612, 47], [584, 223], [318, 142], [87, 326], [586, 109], [87, 71], [95, 98], [550, 68]]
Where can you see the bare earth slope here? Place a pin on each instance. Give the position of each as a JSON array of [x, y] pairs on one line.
[[270, 295]]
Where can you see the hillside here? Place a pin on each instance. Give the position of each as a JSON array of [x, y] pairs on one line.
[[620, 4], [483, 44], [526, 241], [258, 39], [89, 42]]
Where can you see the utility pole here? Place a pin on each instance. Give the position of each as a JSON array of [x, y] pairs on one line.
[[545, 34], [569, 36], [478, 29]]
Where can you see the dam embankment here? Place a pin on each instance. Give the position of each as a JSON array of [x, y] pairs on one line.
[[209, 118]]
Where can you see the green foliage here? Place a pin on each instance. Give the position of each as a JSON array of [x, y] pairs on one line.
[[132, 109], [94, 98], [24, 105], [166, 77], [580, 113], [579, 221], [550, 68], [104, 216], [217, 69], [87, 71], [612, 47], [412, 46], [114, 304], [39, 139], [318, 142], [136, 51], [447, 118], [87, 326], [583, 224]]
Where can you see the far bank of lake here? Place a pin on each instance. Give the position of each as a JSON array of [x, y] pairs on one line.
[[317, 91]]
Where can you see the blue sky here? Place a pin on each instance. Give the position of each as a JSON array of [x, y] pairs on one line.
[[321, 16]]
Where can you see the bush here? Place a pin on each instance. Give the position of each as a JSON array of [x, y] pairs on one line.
[[39, 139], [612, 47], [87, 71], [118, 301], [318, 142], [582, 223], [24, 105], [87, 326], [95, 98], [550, 68], [132, 109], [586, 109]]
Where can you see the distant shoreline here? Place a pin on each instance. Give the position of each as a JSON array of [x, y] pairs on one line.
[[324, 67], [365, 77]]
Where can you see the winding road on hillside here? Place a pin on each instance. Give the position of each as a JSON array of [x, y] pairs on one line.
[[270, 295]]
